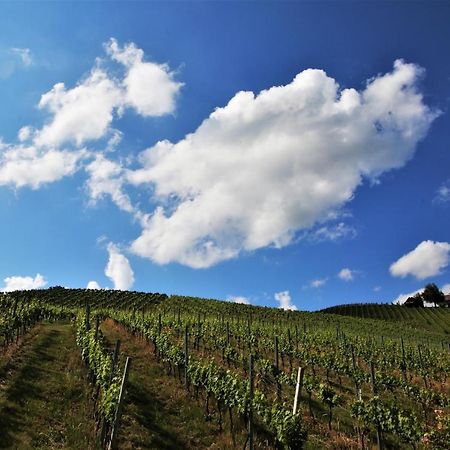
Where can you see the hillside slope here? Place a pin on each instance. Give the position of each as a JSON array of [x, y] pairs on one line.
[[203, 370], [431, 319]]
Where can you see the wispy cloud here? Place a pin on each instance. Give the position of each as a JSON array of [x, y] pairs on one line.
[[443, 193], [318, 282], [24, 55], [332, 232]]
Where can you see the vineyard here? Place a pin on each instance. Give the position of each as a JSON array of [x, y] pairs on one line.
[[244, 376], [431, 319]]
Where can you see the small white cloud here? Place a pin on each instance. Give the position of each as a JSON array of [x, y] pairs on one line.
[[150, 87], [318, 282], [118, 269], [106, 178], [24, 133], [93, 285], [29, 166], [377, 289], [428, 259], [285, 301], [332, 232], [24, 54], [82, 113], [446, 289], [18, 283], [238, 299], [346, 274], [443, 193]]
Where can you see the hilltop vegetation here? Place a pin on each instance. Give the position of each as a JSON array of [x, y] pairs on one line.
[[434, 320], [210, 374]]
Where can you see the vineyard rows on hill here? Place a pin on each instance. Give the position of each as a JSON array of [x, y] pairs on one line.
[[361, 381]]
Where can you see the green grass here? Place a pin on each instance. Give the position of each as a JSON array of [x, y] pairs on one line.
[[44, 399]]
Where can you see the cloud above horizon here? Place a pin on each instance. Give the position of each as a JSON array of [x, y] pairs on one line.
[[19, 283], [428, 259], [118, 269], [93, 285], [285, 301], [264, 167], [238, 299]]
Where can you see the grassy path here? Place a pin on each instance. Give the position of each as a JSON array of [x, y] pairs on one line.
[[44, 396], [158, 414]]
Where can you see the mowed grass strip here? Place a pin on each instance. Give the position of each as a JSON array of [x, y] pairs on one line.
[[45, 400], [158, 413]]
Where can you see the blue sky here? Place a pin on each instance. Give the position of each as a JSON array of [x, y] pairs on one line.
[[282, 154]]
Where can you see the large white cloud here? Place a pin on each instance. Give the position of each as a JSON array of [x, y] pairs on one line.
[[285, 301], [426, 260], [18, 283], [22, 165], [266, 166], [118, 269]]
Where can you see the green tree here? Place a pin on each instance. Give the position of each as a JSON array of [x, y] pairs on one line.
[[432, 294]]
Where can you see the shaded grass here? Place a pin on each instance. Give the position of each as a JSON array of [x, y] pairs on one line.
[[45, 401]]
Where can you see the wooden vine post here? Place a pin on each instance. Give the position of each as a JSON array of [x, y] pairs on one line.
[[97, 325], [403, 360], [298, 388], [115, 427]]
